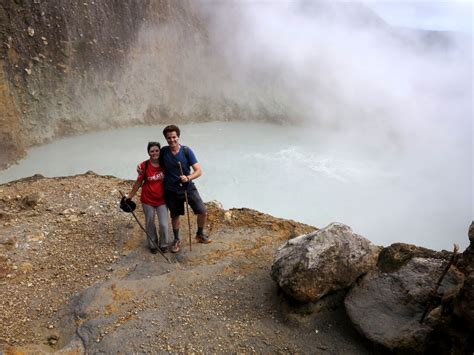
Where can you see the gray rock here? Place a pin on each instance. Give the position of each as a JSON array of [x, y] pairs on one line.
[[311, 266], [386, 306], [471, 233], [32, 200], [465, 300]]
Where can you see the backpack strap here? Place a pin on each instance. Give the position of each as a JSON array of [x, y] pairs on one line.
[[146, 171], [186, 152], [161, 157]]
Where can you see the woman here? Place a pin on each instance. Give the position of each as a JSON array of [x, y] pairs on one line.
[[152, 197]]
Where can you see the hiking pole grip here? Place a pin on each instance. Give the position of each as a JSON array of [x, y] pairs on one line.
[[187, 206]]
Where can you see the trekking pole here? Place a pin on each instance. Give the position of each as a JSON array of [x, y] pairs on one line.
[[141, 226], [187, 206], [431, 302]]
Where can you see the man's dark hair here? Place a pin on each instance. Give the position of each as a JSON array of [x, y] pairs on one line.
[[153, 144], [171, 128]]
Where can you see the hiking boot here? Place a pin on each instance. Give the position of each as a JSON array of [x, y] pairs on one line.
[[164, 249], [153, 250], [202, 238], [175, 247]]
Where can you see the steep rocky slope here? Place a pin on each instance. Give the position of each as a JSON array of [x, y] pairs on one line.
[[55, 56], [72, 67]]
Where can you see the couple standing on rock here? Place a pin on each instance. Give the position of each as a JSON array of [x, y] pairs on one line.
[[164, 179]]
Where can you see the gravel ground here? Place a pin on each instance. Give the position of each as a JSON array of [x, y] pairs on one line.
[[76, 275]]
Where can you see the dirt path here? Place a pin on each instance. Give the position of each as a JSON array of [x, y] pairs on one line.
[[75, 274]]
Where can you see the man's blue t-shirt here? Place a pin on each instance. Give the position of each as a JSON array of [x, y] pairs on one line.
[[172, 172]]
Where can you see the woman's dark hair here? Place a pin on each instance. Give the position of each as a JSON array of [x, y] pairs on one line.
[[152, 144], [171, 128]]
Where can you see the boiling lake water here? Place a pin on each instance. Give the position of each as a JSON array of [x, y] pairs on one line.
[[385, 193]]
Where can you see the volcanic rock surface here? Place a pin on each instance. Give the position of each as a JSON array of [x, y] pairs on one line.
[[76, 275], [331, 259], [387, 304]]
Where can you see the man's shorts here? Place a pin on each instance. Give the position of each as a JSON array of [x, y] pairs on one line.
[[175, 202]]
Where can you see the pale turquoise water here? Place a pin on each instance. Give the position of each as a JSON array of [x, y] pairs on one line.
[[385, 192]]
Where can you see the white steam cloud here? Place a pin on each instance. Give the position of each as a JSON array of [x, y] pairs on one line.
[[338, 67], [335, 67]]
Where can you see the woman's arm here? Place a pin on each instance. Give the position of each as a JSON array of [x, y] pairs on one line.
[[138, 183]]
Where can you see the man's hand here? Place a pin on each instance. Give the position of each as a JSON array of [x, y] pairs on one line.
[[184, 179]]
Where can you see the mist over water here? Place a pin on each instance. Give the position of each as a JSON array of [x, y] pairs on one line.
[[290, 172], [404, 97]]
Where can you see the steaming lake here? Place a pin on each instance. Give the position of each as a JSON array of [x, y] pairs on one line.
[[385, 192]]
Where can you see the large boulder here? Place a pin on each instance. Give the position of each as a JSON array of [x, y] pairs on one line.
[[387, 304], [462, 337], [311, 266], [465, 300]]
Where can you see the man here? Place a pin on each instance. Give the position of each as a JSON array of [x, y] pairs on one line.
[[177, 160]]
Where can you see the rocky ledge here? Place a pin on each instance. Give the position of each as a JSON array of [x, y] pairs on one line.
[[403, 298], [76, 276]]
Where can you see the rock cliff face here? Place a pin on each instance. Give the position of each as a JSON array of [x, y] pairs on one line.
[[9, 123], [70, 68], [62, 65], [67, 68]]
